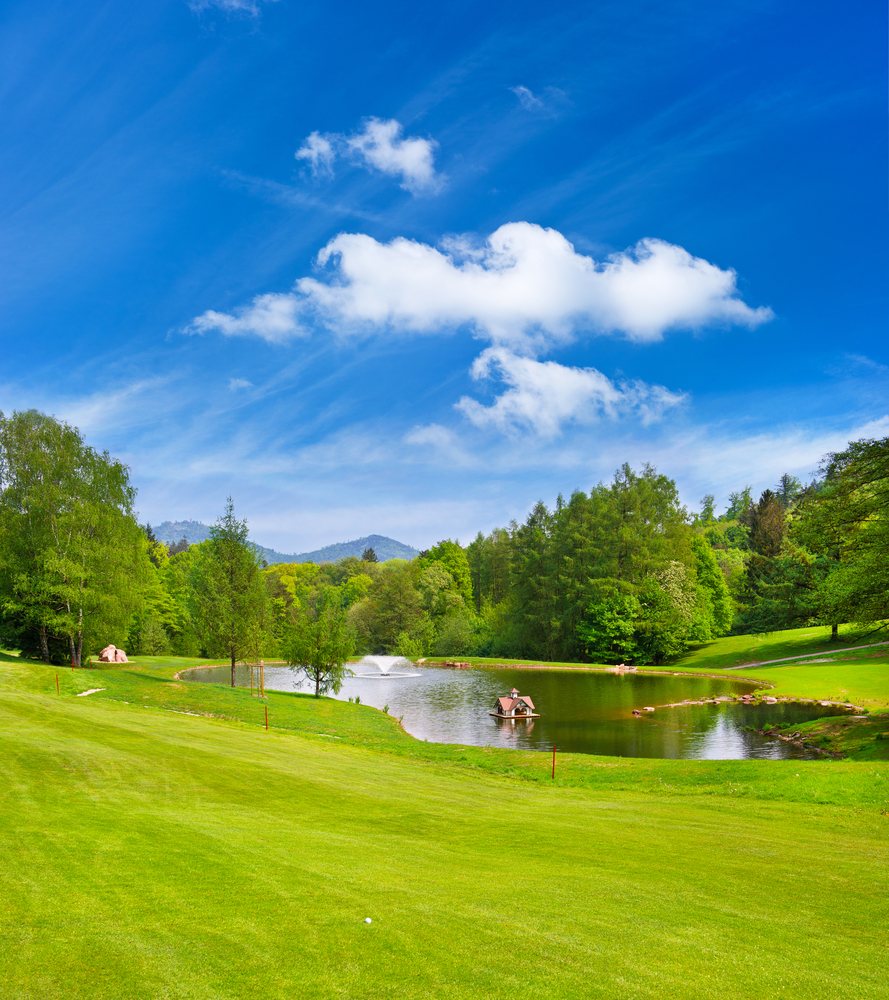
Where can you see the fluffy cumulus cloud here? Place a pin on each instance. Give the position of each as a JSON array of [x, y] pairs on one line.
[[526, 287], [273, 317], [380, 146], [526, 291], [542, 396]]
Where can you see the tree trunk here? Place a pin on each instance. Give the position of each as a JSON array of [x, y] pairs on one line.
[[71, 648], [834, 633], [233, 668], [44, 645], [78, 656], [317, 685]]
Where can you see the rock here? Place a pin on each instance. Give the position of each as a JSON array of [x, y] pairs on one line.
[[770, 701], [111, 654], [647, 708]]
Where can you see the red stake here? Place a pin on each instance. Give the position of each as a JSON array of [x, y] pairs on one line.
[[57, 684], [266, 716], [554, 762]]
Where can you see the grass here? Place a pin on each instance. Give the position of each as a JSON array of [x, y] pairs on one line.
[[150, 853], [737, 650]]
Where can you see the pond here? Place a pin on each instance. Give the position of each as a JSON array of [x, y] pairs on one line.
[[580, 711]]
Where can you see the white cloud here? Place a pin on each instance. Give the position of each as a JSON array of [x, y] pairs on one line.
[[274, 317], [547, 104], [543, 396], [247, 7], [239, 383], [525, 288], [379, 146], [527, 99], [318, 150]]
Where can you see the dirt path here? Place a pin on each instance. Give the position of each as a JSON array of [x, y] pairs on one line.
[[804, 656]]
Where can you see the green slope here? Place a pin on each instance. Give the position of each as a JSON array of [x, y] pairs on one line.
[[152, 853]]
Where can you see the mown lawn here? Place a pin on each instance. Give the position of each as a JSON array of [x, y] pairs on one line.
[[734, 651], [152, 853]]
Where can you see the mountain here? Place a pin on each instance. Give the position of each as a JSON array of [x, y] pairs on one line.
[[173, 531], [385, 548]]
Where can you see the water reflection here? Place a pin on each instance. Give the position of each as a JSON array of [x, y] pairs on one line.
[[580, 711]]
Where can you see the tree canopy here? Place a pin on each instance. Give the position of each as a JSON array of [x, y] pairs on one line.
[[73, 561]]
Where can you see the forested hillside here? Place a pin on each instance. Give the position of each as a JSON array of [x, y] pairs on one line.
[[622, 573], [173, 532]]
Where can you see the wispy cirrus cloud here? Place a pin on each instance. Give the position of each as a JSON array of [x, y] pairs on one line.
[[547, 102], [249, 8], [379, 145]]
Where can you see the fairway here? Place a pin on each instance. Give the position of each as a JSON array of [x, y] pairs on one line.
[[151, 853]]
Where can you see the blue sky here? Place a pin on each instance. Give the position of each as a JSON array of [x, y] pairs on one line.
[[407, 269]]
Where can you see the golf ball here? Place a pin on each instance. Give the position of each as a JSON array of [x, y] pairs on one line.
[[367, 920]]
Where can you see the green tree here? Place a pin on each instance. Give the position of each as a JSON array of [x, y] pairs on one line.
[[608, 630], [73, 560], [712, 582], [846, 521], [227, 596], [452, 558], [319, 643], [672, 614], [787, 490], [392, 607]]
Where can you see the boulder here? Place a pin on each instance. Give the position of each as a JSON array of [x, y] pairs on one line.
[[111, 654]]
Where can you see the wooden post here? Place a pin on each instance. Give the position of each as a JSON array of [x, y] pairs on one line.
[[57, 684], [262, 677], [251, 680], [267, 717], [554, 762]]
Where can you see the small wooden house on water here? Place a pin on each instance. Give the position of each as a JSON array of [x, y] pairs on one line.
[[515, 706]]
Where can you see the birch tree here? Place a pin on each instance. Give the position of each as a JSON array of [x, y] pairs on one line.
[[73, 559]]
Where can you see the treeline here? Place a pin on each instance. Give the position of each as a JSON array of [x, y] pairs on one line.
[[622, 573]]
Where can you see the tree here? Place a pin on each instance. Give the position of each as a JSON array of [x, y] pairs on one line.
[[392, 607], [227, 595], [452, 558], [368, 555], [608, 630], [787, 490], [846, 521], [672, 614], [319, 644], [73, 560], [712, 583]]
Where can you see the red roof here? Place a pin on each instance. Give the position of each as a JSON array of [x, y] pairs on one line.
[[508, 704]]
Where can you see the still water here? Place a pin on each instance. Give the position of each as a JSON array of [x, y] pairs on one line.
[[580, 711]]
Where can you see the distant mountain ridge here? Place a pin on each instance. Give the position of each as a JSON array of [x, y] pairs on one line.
[[385, 548]]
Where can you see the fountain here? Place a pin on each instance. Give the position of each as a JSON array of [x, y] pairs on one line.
[[385, 666]]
